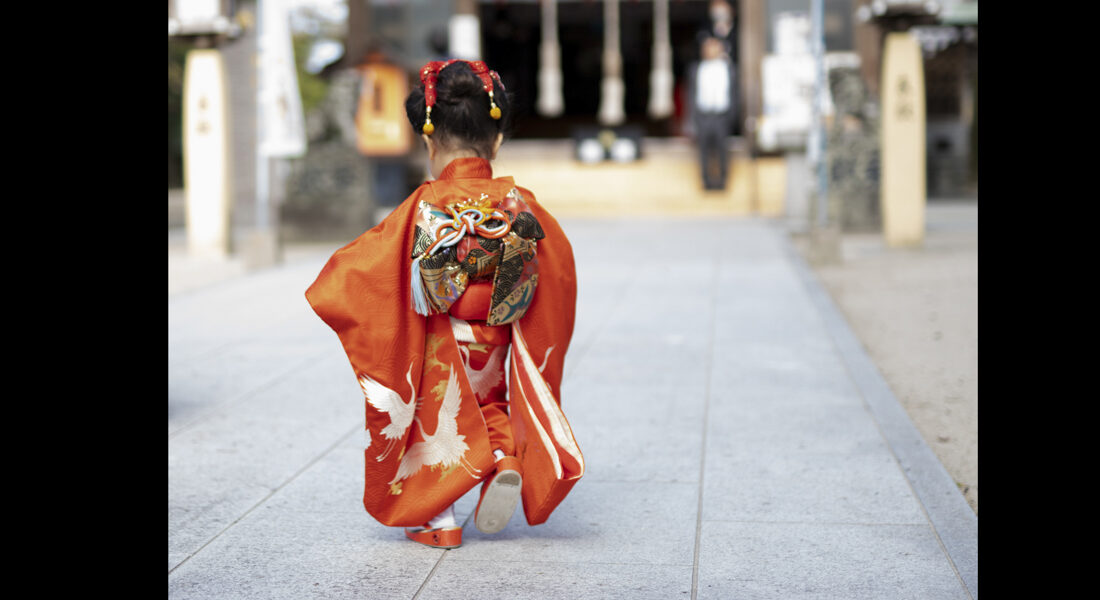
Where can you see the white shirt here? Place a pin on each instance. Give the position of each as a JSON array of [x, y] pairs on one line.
[[712, 86]]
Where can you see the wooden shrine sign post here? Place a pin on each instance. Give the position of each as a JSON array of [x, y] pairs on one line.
[[206, 154], [903, 141], [380, 122]]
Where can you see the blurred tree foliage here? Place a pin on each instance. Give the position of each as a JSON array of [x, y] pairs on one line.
[[312, 88]]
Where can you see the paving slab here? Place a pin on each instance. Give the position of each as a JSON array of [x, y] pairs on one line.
[[823, 561]]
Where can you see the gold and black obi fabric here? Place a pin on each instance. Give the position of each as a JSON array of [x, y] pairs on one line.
[[476, 241]]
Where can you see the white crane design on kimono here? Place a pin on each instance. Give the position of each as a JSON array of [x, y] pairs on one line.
[[445, 447], [489, 375], [390, 402]]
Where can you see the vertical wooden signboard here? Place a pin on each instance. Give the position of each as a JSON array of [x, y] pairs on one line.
[[903, 141], [383, 128], [206, 154]]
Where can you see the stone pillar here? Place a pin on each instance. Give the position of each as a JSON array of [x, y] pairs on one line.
[[660, 78], [550, 102], [280, 129], [240, 74], [612, 89], [751, 43]]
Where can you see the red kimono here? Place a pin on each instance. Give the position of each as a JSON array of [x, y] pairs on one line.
[[436, 401]]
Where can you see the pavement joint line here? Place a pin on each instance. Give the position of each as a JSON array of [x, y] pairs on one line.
[[435, 568], [274, 491], [908, 448], [465, 523], [212, 351], [253, 333], [245, 396], [709, 371]]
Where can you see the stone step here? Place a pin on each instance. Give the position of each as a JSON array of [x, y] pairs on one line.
[[665, 180]]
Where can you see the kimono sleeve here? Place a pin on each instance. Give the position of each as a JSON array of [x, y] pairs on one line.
[[362, 293], [548, 324]]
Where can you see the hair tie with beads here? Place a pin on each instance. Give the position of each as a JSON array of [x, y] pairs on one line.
[[428, 76], [486, 76]]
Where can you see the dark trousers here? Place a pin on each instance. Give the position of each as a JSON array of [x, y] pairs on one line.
[[712, 132]]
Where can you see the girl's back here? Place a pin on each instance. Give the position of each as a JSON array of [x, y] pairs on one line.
[[468, 270]]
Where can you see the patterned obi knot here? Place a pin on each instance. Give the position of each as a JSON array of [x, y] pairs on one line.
[[474, 241], [473, 220]]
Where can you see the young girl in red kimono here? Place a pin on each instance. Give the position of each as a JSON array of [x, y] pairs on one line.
[[469, 270]]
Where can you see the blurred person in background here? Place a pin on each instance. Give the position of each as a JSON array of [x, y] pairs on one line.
[[468, 270], [713, 111]]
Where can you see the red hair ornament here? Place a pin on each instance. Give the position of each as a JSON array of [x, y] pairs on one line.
[[429, 72]]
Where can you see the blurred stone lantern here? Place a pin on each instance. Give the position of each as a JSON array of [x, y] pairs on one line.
[[852, 155]]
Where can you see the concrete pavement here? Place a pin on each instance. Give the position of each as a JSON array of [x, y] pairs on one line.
[[915, 311], [739, 443]]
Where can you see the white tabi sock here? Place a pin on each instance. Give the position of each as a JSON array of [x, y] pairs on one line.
[[443, 519]]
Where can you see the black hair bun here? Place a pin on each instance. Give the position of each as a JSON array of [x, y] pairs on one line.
[[457, 85], [461, 114]]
